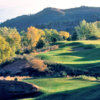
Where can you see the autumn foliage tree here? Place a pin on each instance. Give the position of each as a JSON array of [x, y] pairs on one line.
[[11, 36], [41, 34], [64, 34], [5, 50], [32, 36]]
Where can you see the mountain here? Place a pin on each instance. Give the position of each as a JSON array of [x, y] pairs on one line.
[[0, 22], [60, 19]]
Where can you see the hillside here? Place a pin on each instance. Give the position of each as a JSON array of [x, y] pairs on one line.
[[54, 18], [74, 58], [80, 59]]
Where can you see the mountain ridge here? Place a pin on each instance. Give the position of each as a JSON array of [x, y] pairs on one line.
[[54, 18]]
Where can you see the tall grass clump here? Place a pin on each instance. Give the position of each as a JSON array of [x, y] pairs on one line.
[[87, 77]]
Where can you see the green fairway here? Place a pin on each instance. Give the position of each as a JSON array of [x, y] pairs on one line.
[[86, 56], [66, 89], [79, 54]]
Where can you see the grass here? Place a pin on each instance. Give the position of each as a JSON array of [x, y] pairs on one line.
[[66, 89], [77, 59], [80, 88]]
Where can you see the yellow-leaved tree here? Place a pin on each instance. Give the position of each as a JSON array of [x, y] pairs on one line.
[[5, 49], [41, 33], [16, 41], [64, 34], [32, 36]]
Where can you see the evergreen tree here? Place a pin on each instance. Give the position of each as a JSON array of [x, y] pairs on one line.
[[75, 36]]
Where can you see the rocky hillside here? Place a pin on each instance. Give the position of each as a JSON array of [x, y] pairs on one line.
[[55, 18]]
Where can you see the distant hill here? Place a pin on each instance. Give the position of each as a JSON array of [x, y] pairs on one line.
[[55, 18], [0, 22]]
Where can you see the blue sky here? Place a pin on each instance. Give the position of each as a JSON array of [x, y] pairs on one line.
[[13, 8]]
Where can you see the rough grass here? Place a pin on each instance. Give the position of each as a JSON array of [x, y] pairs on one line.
[[66, 89]]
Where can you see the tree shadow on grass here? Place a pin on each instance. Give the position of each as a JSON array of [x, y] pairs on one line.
[[86, 93], [89, 55]]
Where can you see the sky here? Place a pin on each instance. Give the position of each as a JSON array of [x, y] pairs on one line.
[[12, 8]]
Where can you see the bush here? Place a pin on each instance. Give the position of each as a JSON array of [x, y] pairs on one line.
[[37, 64], [27, 51], [40, 44], [63, 74], [54, 39], [19, 52]]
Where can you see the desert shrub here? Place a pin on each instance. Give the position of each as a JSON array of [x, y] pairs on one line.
[[90, 46], [37, 64]]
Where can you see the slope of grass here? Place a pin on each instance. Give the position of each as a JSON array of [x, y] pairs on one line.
[[66, 89], [78, 59], [71, 88]]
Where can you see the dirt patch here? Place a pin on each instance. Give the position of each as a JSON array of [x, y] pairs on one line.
[[79, 49], [15, 67], [14, 89]]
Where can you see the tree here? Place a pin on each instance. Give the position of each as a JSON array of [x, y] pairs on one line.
[[48, 34], [22, 33], [54, 34], [64, 34], [12, 37], [87, 30], [54, 39], [17, 39], [40, 44], [41, 33], [32, 36], [75, 36], [5, 49]]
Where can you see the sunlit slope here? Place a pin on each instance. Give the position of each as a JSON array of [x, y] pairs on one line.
[[79, 54]]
